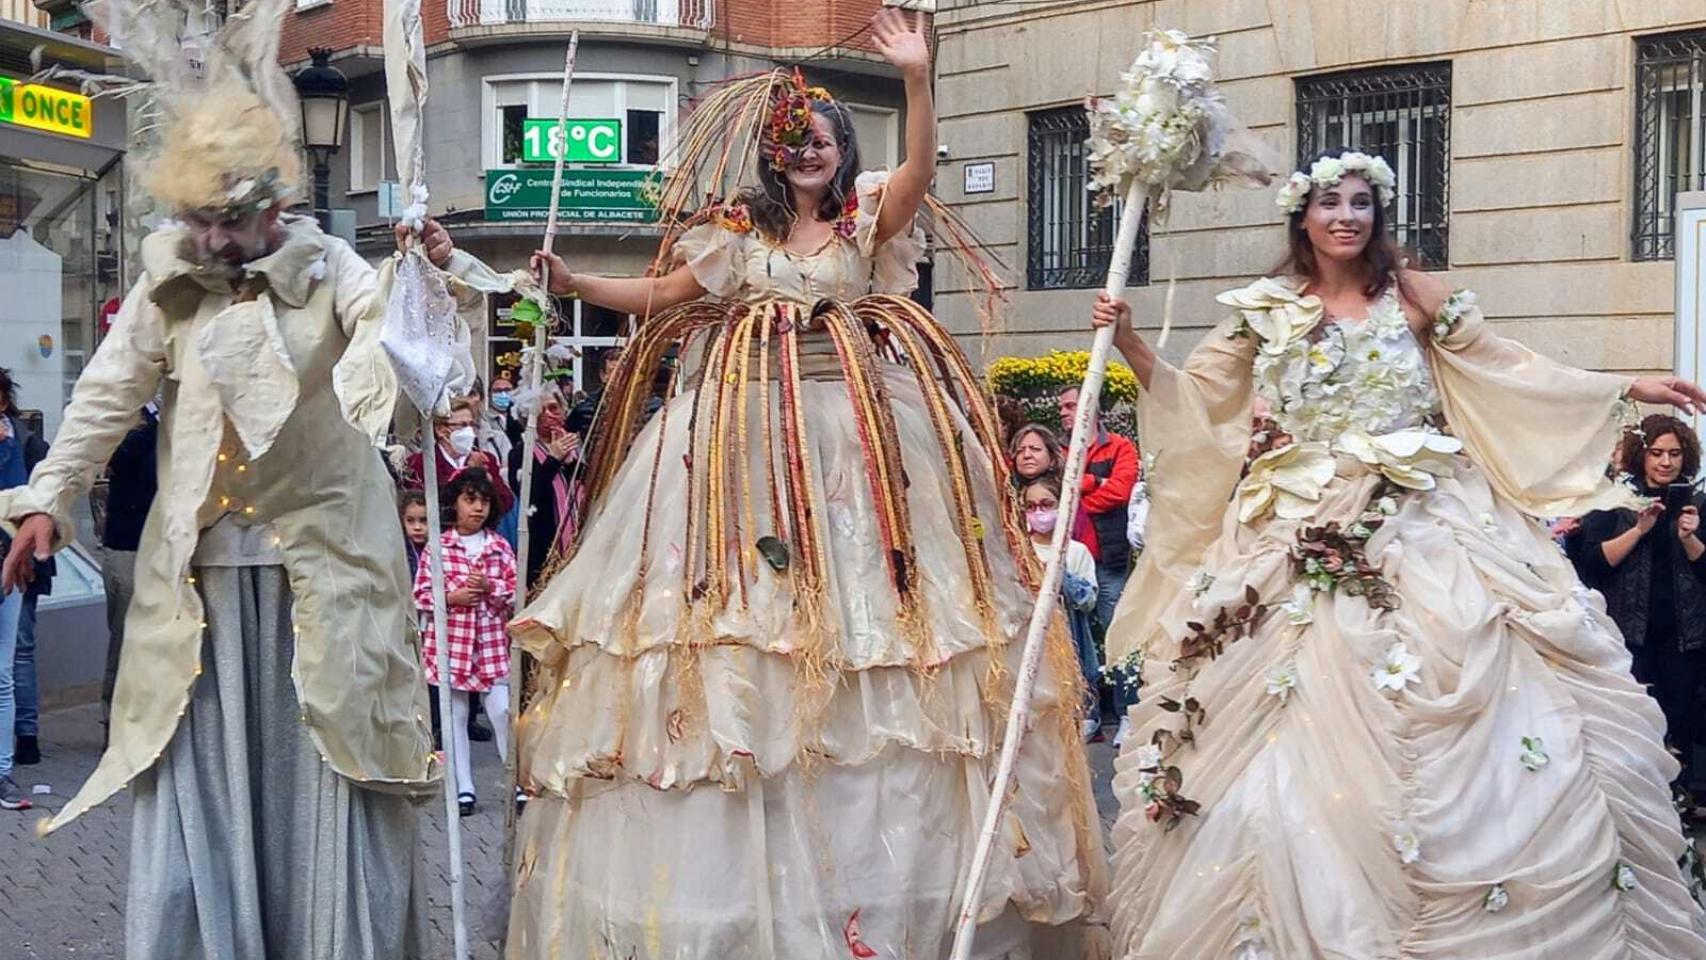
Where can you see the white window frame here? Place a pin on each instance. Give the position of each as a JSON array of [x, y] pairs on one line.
[[891, 118], [369, 112], [312, 4], [491, 132]]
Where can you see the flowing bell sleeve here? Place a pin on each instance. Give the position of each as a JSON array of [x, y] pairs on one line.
[[1194, 425], [1542, 432]]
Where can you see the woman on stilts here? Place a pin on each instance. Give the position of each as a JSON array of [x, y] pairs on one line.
[[1382, 716], [773, 673]]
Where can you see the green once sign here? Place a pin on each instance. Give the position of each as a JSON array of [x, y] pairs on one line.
[[590, 141], [599, 196]]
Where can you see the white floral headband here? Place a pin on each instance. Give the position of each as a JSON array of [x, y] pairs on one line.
[[1328, 171]]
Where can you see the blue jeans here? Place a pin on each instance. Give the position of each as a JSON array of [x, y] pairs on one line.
[[10, 607], [1110, 583], [24, 671]]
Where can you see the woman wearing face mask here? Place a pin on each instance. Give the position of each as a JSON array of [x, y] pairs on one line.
[[1041, 497], [1383, 717], [775, 670], [455, 439], [1035, 452]]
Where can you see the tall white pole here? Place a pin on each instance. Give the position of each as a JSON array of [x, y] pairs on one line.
[[529, 443], [1048, 594], [440, 632]]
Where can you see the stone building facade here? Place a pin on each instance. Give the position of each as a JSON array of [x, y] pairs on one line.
[[1539, 146]]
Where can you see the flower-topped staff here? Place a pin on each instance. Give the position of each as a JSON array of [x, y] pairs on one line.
[[1167, 129]]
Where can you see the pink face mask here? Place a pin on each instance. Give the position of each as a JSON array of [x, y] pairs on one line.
[[1042, 521]]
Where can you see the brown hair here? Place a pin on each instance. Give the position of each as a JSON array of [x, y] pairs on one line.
[[1382, 260], [1049, 481], [771, 203], [1632, 451], [412, 497], [1051, 443]]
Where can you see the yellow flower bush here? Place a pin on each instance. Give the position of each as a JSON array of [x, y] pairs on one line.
[[1033, 377]]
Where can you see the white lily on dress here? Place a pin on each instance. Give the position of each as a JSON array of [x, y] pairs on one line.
[[1289, 481], [1281, 681], [1398, 669], [1497, 899], [1413, 459], [1408, 846]]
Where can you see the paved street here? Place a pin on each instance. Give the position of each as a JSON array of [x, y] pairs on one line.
[[66, 898]]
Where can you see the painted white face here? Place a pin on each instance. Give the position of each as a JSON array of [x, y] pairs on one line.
[[819, 159], [1340, 218]]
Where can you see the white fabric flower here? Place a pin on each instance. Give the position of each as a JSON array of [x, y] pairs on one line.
[[1248, 941], [1398, 669], [1534, 755], [1200, 583], [1409, 848], [1386, 506], [1413, 459], [1623, 878], [1327, 171], [1282, 680], [1300, 607], [1295, 193], [1497, 899], [1289, 481]]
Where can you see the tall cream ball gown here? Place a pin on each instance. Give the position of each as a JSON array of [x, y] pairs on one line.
[[1382, 718], [776, 669]]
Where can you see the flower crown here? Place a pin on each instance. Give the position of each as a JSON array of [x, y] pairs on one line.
[[790, 123], [1328, 171]]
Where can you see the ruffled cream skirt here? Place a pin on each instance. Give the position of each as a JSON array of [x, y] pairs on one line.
[[748, 780], [1508, 799]]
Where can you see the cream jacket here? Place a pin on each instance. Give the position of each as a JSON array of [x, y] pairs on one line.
[[275, 395]]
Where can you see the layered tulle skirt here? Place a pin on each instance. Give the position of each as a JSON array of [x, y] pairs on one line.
[[774, 676], [1445, 757]]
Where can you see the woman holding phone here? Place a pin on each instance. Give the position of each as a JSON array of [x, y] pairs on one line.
[[1651, 566]]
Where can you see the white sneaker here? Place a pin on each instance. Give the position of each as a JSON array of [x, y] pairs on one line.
[[1125, 728], [1089, 728]]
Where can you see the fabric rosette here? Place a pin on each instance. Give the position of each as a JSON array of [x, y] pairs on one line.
[[1275, 312], [1289, 481], [1412, 459]]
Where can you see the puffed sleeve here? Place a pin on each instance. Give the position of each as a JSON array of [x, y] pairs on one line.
[[895, 260], [716, 255], [1542, 432]]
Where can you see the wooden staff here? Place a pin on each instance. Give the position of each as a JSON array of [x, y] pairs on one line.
[[1048, 594], [533, 378]]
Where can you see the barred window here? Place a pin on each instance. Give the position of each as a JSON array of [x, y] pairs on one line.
[[1402, 114], [1069, 240], [1670, 124]]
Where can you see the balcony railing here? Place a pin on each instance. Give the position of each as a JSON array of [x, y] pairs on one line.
[[693, 14]]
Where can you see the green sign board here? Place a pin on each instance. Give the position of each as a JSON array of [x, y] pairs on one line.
[[598, 196], [46, 108], [590, 141]]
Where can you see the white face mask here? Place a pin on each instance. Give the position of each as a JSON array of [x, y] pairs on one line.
[[462, 440]]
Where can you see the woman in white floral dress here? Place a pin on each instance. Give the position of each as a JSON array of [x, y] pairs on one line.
[[774, 671], [1383, 718]]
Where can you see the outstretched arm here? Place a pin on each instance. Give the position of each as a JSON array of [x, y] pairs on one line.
[[907, 46], [637, 295], [1137, 352]]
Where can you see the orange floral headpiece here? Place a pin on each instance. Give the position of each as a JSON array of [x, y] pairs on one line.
[[790, 123]]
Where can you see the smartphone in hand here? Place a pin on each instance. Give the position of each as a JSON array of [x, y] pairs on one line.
[[1678, 496]]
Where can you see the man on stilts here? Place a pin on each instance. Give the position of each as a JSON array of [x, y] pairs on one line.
[[269, 711]]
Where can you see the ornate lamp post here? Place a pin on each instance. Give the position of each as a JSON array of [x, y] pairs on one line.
[[324, 92]]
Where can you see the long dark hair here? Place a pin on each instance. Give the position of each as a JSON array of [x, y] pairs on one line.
[[1382, 261], [771, 203], [1632, 451], [477, 481]]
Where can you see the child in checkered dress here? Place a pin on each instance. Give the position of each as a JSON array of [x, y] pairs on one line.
[[479, 584]]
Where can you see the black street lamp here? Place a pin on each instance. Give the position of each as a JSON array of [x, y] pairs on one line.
[[324, 92]]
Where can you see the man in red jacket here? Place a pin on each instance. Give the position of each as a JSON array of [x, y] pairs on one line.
[[1110, 471]]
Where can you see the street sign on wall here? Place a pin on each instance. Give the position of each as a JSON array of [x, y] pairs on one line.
[[590, 141], [597, 196]]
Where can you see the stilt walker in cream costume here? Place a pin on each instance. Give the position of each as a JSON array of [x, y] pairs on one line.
[[269, 713]]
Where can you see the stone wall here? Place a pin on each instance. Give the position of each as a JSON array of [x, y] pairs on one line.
[[1541, 175]]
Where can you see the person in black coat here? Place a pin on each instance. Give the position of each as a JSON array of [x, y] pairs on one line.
[[21, 448], [550, 516], [1651, 567]]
